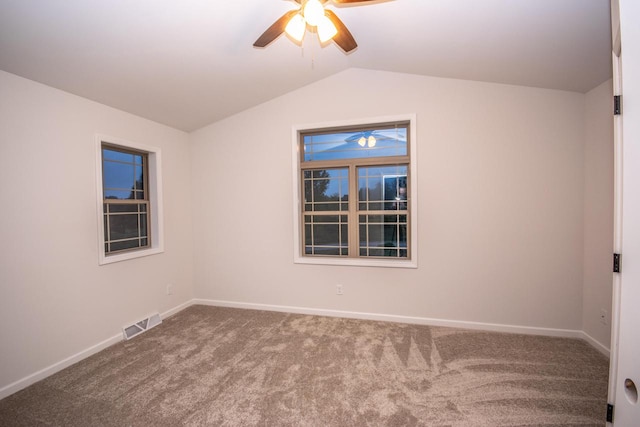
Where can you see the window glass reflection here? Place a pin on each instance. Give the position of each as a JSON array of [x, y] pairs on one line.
[[381, 142]]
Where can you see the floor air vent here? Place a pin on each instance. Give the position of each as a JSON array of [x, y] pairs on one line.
[[141, 326]]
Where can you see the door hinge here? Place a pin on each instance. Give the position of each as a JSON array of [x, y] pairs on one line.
[[609, 413], [616, 263], [617, 105]]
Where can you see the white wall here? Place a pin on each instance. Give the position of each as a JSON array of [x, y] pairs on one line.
[[501, 203], [598, 212], [55, 301]]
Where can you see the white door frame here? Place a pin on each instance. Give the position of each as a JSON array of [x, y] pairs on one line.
[[625, 348], [617, 229]]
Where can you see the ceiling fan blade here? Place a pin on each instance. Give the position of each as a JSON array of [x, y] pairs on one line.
[[275, 30], [343, 38]]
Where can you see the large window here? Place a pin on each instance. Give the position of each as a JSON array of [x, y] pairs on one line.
[[354, 185], [129, 205]]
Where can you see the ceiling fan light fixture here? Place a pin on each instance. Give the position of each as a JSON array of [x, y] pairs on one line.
[[311, 15], [326, 29], [371, 141], [362, 141], [313, 12], [296, 27]]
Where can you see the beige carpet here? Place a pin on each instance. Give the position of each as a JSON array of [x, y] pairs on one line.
[[231, 367]]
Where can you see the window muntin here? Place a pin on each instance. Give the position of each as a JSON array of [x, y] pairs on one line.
[[125, 199], [338, 162]]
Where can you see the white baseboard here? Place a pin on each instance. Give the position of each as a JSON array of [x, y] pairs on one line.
[[595, 343], [176, 309], [494, 327], [57, 367], [568, 333]]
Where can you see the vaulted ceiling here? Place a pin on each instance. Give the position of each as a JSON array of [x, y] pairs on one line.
[[188, 63]]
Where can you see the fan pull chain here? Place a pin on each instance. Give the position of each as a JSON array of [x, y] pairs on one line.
[[313, 54], [313, 57]]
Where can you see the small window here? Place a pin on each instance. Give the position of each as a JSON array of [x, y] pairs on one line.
[[130, 220], [354, 186], [126, 199]]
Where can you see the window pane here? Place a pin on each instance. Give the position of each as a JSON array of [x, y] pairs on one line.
[[118, 176], [143, 225], [344, 235], [139, 184], [118, 194], [368, 143], [126, 244], [327, 206], [383, 235], [123, 175], [308, 237], [326, 235], [109, 154], [123, 226], [326, 251], [326, 189], [382, 188], [377, 252], [120, 208]]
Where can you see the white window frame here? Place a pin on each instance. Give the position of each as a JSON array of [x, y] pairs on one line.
[[298, 257], [154, 169]]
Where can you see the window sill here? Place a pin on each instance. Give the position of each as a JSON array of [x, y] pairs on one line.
[[110, 259], [352, 262]]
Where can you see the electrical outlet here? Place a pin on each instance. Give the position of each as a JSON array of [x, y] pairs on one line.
[[169, 289], [339, 290], [604, 316]]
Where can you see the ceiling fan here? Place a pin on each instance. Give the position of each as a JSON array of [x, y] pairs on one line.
[[311, 13]]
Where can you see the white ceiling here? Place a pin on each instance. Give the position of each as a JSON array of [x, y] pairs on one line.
[[188, 63]]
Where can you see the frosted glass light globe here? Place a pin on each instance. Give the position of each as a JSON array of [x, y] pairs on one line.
[[313, 12], [326, 29], [296, 27]]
